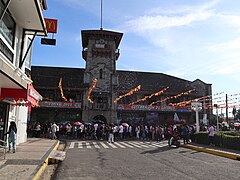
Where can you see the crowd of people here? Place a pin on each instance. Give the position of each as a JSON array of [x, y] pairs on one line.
[[109, 132]]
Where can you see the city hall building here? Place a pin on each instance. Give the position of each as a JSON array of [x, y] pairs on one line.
[[101, 92]]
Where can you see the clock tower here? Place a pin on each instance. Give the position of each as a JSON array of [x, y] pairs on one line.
[[100, 51]]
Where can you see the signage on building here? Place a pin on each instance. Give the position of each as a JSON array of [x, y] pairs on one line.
[[51, 25], [33, 93], [148, 108], [60, 104], [29, 94], [48, 41]]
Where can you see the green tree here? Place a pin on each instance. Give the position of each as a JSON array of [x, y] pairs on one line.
[[238, 114]]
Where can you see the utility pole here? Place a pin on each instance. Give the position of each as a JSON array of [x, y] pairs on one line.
[[216, 106], [226, 108], [196, 106], [101, 28]]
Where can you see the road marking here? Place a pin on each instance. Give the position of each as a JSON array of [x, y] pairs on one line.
[[126, 144], [134, 144], [104, 145], [110, 144], [159, 145], [88, 145], [121, 146], [150, 145], [95, 145], [71, 145], [80, 144], [140, 144]]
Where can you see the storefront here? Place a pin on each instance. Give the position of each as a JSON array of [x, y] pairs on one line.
[[15, 105]]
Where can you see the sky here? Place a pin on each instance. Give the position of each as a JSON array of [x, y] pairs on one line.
[[186, 39]]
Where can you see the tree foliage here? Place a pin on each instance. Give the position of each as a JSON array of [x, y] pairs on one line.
[[238, 114]]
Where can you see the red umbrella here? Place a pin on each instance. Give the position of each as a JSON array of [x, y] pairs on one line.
[[77, 123], [237, 124], [125, 124]]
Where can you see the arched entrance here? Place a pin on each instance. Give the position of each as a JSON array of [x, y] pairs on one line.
[[100, 119]]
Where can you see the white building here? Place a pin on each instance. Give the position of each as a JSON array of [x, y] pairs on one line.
[[20, 22]]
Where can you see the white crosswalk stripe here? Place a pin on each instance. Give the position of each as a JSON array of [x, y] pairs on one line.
[[104, 145], [71, 145], [88, 145], [121, 146], [159, 144], [115, 145], [95, 145], [148, 144], [125, 144], [134, 144], [154, 144], [80, 144]]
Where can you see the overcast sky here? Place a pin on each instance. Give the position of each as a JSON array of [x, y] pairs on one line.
[[188, 39]]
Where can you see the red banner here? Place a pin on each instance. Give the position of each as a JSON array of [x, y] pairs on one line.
[[51, 25], [60, 104], [150, 108]]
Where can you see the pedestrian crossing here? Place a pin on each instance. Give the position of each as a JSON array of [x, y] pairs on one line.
[[115, 145]]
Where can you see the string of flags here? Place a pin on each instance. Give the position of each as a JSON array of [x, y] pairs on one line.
[[128, 94], [172, 97], [20, 102], [148, 97], [90, 90], [61, 90]]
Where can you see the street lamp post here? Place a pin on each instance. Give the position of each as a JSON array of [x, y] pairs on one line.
[[216, 106], [196, 106]]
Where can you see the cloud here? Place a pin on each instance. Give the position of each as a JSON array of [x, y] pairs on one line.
[[225, 46], [145, 23], [183, 9], [158, 18]]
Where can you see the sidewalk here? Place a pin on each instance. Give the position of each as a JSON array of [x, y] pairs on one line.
[[29, 161], [227, 153]]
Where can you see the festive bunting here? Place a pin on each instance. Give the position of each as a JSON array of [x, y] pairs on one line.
[[90, 90], [148, 97], [128, 94], [61, 90], [173, 97]]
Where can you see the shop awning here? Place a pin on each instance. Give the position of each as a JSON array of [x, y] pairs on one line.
[[29, 95]]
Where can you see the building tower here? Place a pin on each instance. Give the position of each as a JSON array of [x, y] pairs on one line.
[[100, 51]]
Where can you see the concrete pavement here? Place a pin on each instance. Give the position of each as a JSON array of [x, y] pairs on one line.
[[32, 157], [29, 161]]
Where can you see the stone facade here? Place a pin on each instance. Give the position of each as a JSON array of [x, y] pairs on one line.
[[101, 48]]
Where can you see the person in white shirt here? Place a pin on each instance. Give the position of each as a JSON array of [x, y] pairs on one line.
[[121, 132], [137, 130], [211, 134], [54, 130]]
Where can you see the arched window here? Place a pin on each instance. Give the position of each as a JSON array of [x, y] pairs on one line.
[[101, 74]]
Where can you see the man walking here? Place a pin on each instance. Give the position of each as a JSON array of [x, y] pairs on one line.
[[211, 134], [54, 130], [111, 135]]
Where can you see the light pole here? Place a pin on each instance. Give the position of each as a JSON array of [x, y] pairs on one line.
[[216, 106], [196, 106]]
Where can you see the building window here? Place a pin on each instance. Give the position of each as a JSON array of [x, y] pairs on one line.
[[7, 26], [101, 74], [28, 60]]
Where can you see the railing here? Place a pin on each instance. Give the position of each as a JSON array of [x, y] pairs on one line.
[[3, 147]]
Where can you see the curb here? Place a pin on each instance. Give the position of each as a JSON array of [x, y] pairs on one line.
[[214, 152], [43, 166]]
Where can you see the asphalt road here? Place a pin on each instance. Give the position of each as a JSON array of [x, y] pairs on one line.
[[142, 161]]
